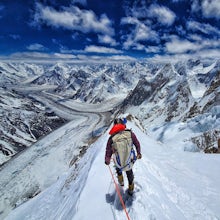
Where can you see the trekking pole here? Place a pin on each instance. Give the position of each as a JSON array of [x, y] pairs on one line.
[[119, 194]]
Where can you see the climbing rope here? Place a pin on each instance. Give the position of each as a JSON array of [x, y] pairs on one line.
[[119, 194]]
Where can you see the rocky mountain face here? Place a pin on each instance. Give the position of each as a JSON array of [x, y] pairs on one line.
[[23, 122], [184, 92], [92, 83], [167, 94], [187, 92], [209, 107]]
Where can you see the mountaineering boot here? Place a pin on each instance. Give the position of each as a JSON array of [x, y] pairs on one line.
[[121, 180], [131, 189]]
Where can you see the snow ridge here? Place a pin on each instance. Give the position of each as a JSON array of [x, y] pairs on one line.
[[168, 185]]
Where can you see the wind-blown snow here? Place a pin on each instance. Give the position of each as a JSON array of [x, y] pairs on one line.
[[169, 184]]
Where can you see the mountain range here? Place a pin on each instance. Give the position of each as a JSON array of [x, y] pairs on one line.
[[168, 93], [44, 106]]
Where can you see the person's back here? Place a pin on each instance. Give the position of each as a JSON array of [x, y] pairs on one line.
[[120, 144]]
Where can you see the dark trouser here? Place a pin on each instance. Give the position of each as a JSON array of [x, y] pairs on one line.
[[129, 174]]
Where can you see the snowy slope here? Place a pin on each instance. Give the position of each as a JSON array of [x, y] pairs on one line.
[[169, 184]]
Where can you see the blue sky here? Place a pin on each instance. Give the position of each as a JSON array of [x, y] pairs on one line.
[[110, 30]]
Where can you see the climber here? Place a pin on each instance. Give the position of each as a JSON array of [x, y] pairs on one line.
[[120, 145]]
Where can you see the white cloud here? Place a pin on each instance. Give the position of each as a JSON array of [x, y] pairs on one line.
[[195, 6], [37, 55], [73, 18], [202, 27], [180, 30], [163, 14], [195, 37], [153, 49], [129, 42], [121, 58], [129, 20], [106, 39], [80, 58], [143, 32], [38, 47], [211, 9], [212, 54], [64, 56], [208, 8], [197, 45], [98, 49], [138, 46], [104, 59], [181, 46], [209, 53], [209, 43], [138, 34]]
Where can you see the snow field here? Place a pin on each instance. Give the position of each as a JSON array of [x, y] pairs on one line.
[[169, 185]]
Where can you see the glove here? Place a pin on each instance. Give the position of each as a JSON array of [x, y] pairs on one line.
[[139, 156], [107, 162]]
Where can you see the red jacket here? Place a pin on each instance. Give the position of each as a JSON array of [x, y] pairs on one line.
[[117, 128]]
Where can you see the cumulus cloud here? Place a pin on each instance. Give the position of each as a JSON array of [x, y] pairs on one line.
[[177, 45], [153, 49], [210, 43], [211, 9], [73, 18], [195, 7], [139, 33], [36, 47], [106, 39], [98, 49], [143, 32], [163, 14], [208, 8], [140, 10], [197, 45]]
